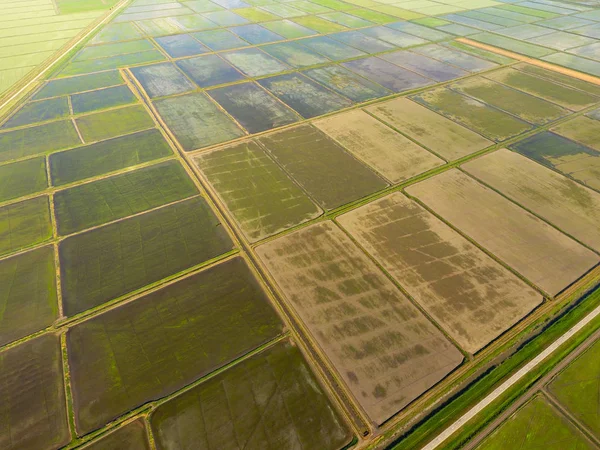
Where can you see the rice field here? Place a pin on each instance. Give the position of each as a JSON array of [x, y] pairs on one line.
[[266, 224]]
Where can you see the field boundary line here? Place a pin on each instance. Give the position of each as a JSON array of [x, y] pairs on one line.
[[116, 10], [534, 62], [448, 432]]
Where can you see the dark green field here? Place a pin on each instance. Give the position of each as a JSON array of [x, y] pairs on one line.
[[159, 343], [22, 178], [132, 436], [24, 224]]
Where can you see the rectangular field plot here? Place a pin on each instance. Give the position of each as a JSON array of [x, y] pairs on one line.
[[24, 224], [108, 124], [436, 133], [527, 107], [163, 79], [159, 343], [471, 296], [555, 89], [196, 121], [303, 95], [322, 167], [22, 178], [570, 158], [536, 425], [102, 99], [545, 256], [33, 404], [491, 123], [107, 156], [253, 107], [66, 86], [384, 349], [261, 197], [270, 400], [111, 62], [584, 130], [39, 139], [131, 436], [28, 298], [571, 207], [391, 154], [576, 388], [209, 70], [389, 75], [120, 196], [40, 111], [116, 259]]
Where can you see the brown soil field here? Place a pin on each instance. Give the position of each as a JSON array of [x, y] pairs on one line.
[[437, 133], [565, 203], [542, 254], [470, 295], [390, 153], [382, 346]]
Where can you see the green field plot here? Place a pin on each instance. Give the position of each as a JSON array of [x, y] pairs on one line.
[[196, 121], [157, 344], [469, 294], [113, 260], [542, 254], [120, 196], [33, 405], [478, 116], [108, 124], [24, 224], [102, 98], [253, 107], [76, 6], [570, 158], [581, 129], [40, 111], [524, 48], [55, 88], [383, 347], [527, 107], [270, 401], [321, 166], [393, 155], [555, 89], [40, 139], [22, 178], [577, 388], [436, 133], [261, 197], [319, 25], [573, 208], [108, 50], [536, 425], [116, 32], [112, 62], [132, 436], [107, 156], [28, 298]]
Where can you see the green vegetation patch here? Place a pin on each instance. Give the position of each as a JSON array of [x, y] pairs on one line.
[[22, 178], [323, 168], [65, 86], [119, 258], [120, 196], [107, 50], [132, 436], [108, 124], [102, 98], [40, 139], [536, 425], [24, 224], [261, 197], [40, 111], [107, 156], [116, 32], [77, 6], [478, 116], [33, 406], [270, 400], [28, 298], [111, 62], [196, 121], [524, 48], [157, 344], [577, 387]]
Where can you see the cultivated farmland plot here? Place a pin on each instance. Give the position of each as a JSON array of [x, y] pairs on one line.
[[542, 254], [469, 294], [382, 346]]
